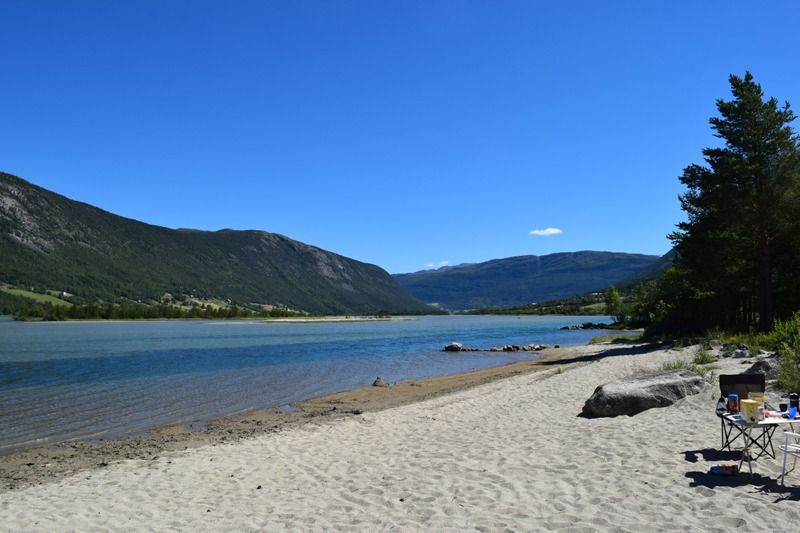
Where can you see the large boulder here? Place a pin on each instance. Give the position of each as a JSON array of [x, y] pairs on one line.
[[769, 366], [635, 394], [454, 347]]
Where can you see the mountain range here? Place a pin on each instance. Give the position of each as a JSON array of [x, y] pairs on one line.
[[522, 280], [50, 242]]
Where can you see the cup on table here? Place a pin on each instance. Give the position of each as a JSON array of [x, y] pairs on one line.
[[793, 412], [783, 407]]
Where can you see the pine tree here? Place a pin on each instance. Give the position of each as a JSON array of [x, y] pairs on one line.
[[737, 243]]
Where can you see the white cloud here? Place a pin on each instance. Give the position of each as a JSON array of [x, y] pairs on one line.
[[546, 232], [440, 264]]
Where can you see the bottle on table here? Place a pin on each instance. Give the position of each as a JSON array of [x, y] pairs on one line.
[[733, 403]]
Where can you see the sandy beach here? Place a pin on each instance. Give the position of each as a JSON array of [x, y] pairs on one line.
[[504, 452]]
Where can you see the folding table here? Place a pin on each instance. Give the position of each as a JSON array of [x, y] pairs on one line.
[[762, 441], [741, 385]]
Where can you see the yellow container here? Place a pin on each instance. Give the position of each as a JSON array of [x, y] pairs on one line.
[[757, 396], [749, 411]]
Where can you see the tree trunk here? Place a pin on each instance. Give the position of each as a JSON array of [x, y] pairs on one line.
[[765, 301]]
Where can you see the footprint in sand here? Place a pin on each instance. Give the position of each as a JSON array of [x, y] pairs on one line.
[[705, 491], [732, 522]]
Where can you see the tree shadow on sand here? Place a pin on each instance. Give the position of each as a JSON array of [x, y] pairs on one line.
[[635, 349], [758, 482]]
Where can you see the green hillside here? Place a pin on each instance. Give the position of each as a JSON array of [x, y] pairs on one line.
[[49, 242], [516, 281], [652, 272]]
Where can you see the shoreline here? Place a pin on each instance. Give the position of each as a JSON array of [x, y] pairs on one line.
[[335, 319], [38, 465], [328, 319], [254, 320], [506, 454]]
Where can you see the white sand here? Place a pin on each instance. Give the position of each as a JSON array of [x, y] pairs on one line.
[[512, 454]]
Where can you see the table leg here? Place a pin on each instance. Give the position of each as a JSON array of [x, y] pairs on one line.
[[722, 431], [783, 470], [746, 451], [765, 444]]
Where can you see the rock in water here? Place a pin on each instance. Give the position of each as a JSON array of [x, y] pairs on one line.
[[453, 347], [380, 382], [633, 395]]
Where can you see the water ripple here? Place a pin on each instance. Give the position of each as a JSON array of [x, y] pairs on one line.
[[63, 381]]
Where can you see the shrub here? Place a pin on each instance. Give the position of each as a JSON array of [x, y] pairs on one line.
[[789, 370], [786, 333], [703, 357], [785, 338]]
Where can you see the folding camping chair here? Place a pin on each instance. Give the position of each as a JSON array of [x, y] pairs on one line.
[[789, 448], [743, 385]]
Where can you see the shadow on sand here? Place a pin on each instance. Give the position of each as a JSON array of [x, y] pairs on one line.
[[760, 483], [711, 454], [635, 349]]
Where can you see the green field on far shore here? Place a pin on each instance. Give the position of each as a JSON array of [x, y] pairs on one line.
[[38, 297]]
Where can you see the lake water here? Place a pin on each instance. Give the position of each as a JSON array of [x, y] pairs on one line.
[[62, 381]]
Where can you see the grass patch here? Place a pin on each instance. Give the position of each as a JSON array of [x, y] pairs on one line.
[[594, 309], [704, 371], [41, 298], [703, 357], [615, 338]]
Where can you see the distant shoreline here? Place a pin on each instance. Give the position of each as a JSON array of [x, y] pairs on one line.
[[282, 320], [334, 319]]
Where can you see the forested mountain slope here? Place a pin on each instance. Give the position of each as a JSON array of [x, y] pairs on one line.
[[48, 241], [522, 280]]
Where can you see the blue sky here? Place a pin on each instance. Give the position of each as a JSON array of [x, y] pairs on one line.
[[400, 133]]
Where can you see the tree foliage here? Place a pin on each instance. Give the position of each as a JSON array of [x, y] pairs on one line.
[[614, 305], [738, 253]]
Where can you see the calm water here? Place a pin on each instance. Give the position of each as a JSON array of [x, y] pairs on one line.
[[77, 380]]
